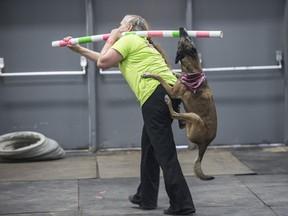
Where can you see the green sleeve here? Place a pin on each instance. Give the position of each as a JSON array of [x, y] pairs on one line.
[[123, 46]]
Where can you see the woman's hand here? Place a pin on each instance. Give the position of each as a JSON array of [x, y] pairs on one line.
[[115, 35], [73, 47]]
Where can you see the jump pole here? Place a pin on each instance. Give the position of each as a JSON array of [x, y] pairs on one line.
[[174, 34]]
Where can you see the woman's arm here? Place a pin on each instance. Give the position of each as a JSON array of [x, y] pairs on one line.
[[107, 57], [90, 54]]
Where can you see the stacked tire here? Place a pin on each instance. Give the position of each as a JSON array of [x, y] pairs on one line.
[[29, 146]]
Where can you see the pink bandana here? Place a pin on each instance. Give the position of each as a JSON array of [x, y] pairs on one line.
[[192, 80]]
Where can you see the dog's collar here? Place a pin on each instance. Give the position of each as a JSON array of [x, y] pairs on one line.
[[192, 80]]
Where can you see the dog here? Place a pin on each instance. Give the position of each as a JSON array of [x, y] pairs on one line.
[[197, 99]]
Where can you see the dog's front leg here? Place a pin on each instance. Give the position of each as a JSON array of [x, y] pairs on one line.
[[172, 91]]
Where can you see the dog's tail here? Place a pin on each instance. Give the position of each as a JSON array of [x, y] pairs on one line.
[[197, 165]]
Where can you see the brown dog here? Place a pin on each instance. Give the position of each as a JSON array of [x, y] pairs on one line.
[[197, 98]]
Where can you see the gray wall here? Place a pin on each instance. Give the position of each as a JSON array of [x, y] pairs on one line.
[[100, 111], [285, 42], [54, 106]]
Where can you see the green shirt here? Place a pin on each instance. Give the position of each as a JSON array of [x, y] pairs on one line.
[[139, 58]]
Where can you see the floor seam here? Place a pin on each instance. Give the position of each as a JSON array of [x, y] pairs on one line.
[[268, 206], [97, 168]]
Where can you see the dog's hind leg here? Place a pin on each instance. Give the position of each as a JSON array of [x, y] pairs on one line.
[[197, 163], [173, 113], [188, 118], [195, 127], [181, 122], [196, 133]]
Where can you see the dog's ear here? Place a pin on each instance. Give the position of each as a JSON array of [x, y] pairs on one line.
[[179, 56]]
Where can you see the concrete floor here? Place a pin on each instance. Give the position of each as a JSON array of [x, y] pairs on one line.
[[249, 181]]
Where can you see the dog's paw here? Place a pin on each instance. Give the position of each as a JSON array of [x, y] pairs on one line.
[[176, 74], [147, 75], [167, 99]]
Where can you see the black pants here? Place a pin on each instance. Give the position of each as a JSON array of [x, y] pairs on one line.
[[158, 149]]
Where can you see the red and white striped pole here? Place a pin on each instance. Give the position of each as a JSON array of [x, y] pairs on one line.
[[175, 34]]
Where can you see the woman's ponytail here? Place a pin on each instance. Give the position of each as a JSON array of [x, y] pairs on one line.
[[159, 49]]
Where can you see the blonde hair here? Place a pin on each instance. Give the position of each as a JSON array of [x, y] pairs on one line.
[[140, 24]]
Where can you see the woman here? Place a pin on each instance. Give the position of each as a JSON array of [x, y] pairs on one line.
[[134, 56]]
